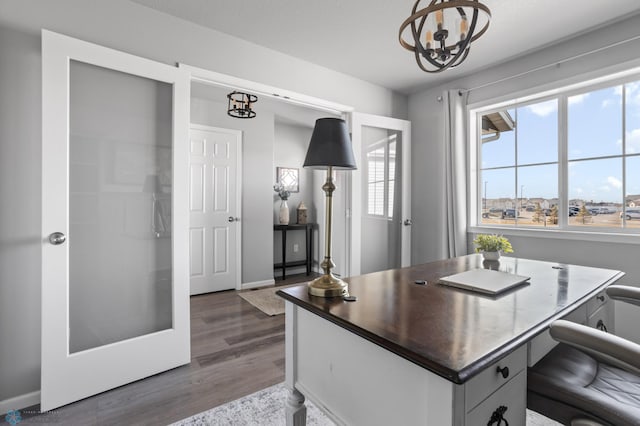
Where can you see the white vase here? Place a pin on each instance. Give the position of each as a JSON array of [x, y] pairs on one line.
[[283, 217], [491, 255]]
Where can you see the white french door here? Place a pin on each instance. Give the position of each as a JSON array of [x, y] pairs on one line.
[[380, 194], [115, 219], [214, 202]]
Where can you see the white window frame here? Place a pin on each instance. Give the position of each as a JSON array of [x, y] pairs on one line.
[[384, 143], [563, 230]]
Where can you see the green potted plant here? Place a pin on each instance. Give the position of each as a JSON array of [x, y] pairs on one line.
[[492, 245]]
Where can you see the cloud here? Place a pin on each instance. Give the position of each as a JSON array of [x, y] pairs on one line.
[[607, 102], [544, 108], [633, 93], [614, 182], [577, 99], [633, 141]]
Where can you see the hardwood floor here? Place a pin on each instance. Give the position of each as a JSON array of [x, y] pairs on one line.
[[235, 350]]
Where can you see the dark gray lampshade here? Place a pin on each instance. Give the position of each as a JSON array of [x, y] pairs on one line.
[[330, 145]]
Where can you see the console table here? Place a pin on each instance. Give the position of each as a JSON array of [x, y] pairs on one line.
[[409, 353], [308, 228]]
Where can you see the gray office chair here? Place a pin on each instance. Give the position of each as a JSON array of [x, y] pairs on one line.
[[591, 378]]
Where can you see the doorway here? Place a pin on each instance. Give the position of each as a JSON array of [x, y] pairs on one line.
[[215, 182], [277, 137], [383, 145]]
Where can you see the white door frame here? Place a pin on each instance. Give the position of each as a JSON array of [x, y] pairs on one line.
[[358, 120], [238, 200], [65, 376], [204, 76]]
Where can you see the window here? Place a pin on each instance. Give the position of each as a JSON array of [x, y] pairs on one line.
[[381, 171], [571, 161]]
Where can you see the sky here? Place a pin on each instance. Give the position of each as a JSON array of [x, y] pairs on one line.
[[595, 121]]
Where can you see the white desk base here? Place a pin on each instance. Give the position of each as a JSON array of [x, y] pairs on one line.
[[356, 382]]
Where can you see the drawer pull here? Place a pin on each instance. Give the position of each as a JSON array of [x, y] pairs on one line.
[[600, 298], [497, 417], [600, 326], [504, 371]]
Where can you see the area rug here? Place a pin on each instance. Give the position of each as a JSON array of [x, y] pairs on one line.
[[266, 408], [266, 299], [263, 408]]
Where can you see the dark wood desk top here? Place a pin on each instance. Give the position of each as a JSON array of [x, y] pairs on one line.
[[451, 332]]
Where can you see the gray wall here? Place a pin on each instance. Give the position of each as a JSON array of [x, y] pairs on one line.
[[290, 149], [20, 191], [132, 28], [426, 115]]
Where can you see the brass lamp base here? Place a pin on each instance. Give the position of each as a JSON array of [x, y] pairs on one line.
[[328, 286]]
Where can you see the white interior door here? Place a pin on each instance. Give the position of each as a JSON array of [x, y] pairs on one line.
[[215, 226], [380, 194], [115, 296]]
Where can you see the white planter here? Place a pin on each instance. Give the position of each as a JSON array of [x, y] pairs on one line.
[[491, 255], [283, 217]]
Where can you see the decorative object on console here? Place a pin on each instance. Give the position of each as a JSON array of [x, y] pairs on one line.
[[283, 215], [239, 105], [302, 213], [330, 148], [491, 245], [443, 47]]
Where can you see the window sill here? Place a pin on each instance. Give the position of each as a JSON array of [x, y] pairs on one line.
[[565, 234]]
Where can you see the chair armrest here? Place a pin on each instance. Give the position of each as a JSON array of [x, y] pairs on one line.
[[624, 293], [610, 349]]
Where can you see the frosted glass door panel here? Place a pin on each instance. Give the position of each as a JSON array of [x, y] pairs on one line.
[[120, 189]]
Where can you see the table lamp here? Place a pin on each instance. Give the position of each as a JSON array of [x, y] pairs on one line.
[[330, 148]]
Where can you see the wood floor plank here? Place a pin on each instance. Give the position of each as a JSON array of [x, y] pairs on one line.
[[236, 350]]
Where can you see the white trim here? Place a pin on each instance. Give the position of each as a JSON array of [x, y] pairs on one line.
[[359, 120], [570, 84], [19, 402], [215, 78], [599, 237], [257, 284]]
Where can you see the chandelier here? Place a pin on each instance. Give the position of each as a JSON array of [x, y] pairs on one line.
[[239, 105], [443, 31]]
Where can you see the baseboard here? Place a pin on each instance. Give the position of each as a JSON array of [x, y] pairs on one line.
[[19, 402], [257, 284]]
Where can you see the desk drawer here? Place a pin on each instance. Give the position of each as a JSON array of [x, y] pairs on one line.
[[602, 319], [540, 345], [487, 382], [513, 396], [596, 302]]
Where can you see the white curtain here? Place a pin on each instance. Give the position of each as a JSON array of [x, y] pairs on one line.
[[456, 172]]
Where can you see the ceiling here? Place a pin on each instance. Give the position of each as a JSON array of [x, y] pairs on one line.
[[360, 37]]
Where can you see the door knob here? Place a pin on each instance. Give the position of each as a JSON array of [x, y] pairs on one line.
[[233, 219], [407, 222], [57, 238]]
